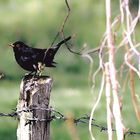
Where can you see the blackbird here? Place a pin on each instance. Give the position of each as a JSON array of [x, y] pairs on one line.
[[35, 59]]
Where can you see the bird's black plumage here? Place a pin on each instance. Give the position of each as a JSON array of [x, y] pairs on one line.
[[31, 58]]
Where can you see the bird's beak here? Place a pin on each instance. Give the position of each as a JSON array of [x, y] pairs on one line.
[[11, 45]]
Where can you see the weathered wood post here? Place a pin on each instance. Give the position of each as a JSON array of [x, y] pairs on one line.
[[33, 108]]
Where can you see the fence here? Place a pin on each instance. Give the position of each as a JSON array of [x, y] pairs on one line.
[[34, 114]]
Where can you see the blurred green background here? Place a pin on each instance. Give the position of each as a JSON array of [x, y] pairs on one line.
[[37, 22]]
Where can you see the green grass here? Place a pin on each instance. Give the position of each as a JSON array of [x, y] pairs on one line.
[[74, 101]]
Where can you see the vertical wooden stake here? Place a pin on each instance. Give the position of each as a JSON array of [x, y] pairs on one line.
[[33, 108]]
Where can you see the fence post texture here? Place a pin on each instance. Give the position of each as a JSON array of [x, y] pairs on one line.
[[33, 108]]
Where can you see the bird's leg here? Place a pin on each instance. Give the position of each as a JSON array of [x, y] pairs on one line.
[[40, 68]]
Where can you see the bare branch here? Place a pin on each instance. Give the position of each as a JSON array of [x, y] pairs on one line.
[[95, 105], [114, 83], [108, 101]]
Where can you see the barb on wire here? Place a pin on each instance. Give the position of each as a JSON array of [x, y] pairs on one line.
[[12, 114]]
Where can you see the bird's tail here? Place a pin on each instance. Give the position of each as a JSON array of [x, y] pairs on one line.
[[57, 46], [64, 41], [50, 53]]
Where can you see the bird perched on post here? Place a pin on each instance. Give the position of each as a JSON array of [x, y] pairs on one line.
[[35, 59]]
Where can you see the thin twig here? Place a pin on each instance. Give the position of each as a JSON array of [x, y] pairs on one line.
[[108, 101], [95, 106]]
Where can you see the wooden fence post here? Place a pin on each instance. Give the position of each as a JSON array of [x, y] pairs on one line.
[[33, 108]]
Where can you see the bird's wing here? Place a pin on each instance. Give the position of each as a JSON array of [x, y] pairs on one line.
[[32, 54]]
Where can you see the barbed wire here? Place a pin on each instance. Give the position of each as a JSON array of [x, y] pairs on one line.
[[56, 115]]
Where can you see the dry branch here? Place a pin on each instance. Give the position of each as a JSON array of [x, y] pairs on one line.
[[113, 77], [108, 101]]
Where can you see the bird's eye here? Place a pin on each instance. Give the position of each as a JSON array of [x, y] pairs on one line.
[[17, 45]]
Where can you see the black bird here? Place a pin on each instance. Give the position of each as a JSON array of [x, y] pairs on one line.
[[35, 59]]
